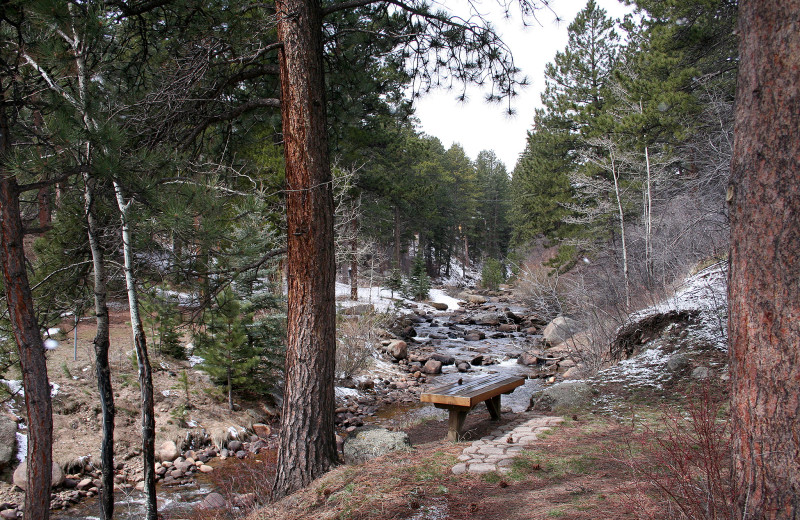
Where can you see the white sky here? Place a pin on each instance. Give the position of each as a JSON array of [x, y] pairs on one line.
[[477, 125]]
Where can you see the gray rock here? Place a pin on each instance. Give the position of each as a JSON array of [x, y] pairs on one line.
[[463, 366], [489, 319], [439, 306], [476, 361], [168, 451], [8, 440], [445, 359], [398, 349], [701, 373], [369, 444], [21, 475], [234, 446], [432, 366], [475, 335], [561, 329], [508, 327], [569, 394], [677, 362], [213, 501]]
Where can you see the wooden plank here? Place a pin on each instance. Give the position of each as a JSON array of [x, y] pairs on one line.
[[473, 392]]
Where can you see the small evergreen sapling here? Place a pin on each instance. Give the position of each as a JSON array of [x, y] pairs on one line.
[[228, 356], [394, 282], [419, 283]]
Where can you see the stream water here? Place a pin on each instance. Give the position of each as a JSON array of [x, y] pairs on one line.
[[440, 335]]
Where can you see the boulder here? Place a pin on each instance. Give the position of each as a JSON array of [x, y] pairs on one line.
[[373, 443], [8, 440], [569, 394], [489, 319], [475, 335], [262, 430], [561, 328], [439, 306], [432, 366], [398, 349], [677, 362], [445, 359], [168, 451], [463, 366], [477, 361], [213, 501], [21, 475]]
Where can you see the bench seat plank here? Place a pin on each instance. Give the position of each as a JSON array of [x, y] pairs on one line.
[[473, 392]]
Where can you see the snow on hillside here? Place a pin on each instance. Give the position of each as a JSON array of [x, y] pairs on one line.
[[381, 298]]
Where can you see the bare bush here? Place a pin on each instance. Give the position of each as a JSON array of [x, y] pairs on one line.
[[685, 461], [356, 340]]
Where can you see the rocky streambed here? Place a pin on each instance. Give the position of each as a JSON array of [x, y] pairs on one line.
[[425, 348]]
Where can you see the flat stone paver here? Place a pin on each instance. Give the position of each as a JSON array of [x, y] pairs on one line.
[[496, 451]]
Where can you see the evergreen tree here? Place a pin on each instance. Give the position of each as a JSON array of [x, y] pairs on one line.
[[419, 283], [228, 355]]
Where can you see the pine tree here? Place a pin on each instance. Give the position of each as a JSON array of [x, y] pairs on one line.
[[419, 283], [228, 356]]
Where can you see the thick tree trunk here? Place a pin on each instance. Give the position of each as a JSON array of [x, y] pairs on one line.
[[145, 370], [102, 344], [28, 337], [764, 321], [307, 446]]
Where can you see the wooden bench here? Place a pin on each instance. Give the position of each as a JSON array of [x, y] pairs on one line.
[[459, 399]]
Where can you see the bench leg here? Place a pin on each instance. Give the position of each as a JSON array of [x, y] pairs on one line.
[[493, 405], [455, 425]]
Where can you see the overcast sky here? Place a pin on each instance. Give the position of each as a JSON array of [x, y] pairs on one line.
[[479, 126]]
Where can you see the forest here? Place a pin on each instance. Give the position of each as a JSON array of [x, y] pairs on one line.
[[216, 167]]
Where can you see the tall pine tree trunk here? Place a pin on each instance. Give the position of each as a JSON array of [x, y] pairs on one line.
[[102, 344], [764, 290], [307, 447], [145, 370], [28, 337]]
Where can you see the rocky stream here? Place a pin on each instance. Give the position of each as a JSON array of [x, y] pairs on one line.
[[426, 347]]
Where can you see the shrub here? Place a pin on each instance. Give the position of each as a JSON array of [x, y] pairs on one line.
[[356, 338], [492, 274]]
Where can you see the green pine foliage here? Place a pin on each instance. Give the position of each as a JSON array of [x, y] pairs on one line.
[[163, 318], [492, 274], [228, 355], [394, 282], [419, 283]]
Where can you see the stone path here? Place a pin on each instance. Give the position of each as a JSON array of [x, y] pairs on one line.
[[495, 452]]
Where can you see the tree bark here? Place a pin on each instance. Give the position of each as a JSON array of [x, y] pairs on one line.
[[764, 289], [354, 262], [28, 337], [102, 344], [307, 447], [145, 370]]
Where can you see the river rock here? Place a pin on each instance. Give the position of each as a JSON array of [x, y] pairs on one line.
[[21, 475], [568, 394], [508, 327], [213, 501], [439, 306], [234, 446], [432, 366], [444, 358], [463, 366], [475, 335], [398, 349], [205, 468], [373, 443], [489, 319], [8, 440], [476, 361], [476, 299], [168, 451], [561, 328]]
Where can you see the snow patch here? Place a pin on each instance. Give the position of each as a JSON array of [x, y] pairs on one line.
[[439, 296], [50, 344], [52, 331], [14, 386], [195, 360]]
